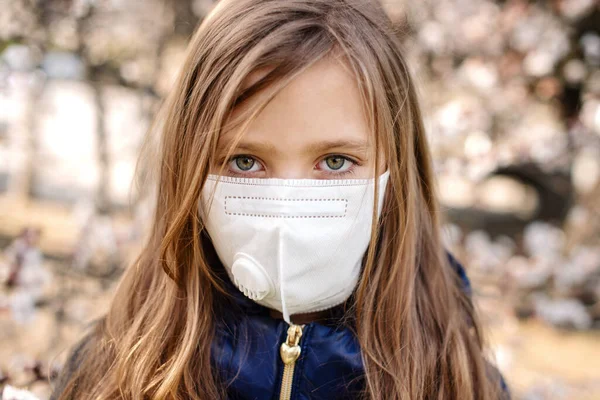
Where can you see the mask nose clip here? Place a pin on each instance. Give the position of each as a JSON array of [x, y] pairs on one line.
[[251, 278]]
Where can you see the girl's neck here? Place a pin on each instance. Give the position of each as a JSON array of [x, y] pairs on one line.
[[305, 318]]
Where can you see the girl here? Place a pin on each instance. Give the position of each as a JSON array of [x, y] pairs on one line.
[[295, 249]]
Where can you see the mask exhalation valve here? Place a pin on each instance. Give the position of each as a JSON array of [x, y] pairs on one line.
[[250, 277]]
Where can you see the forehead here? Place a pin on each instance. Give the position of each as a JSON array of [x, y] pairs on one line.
[[323, 102]]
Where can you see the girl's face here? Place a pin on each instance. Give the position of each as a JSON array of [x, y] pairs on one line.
[[314, 128]]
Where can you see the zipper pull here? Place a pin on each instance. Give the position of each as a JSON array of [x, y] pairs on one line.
[[290, 349]]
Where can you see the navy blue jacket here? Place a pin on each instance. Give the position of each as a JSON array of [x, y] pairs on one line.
[[245, 353]]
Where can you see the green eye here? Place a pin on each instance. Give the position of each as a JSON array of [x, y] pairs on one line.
[[244, 163], [335, 162]]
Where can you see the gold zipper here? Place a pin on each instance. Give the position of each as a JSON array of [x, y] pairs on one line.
[[289, 352]]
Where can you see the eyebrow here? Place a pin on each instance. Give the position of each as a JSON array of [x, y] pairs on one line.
[[322, 146], [346, 144]]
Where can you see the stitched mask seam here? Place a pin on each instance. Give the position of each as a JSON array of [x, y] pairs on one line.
[[320, 184], [284, 199]]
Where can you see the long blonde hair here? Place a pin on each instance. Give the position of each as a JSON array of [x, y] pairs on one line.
[[419, 335]]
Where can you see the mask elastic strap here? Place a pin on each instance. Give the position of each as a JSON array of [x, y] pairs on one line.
[[284, 310]]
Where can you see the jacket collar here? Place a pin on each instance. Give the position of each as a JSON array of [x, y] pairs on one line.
[[247, 306]]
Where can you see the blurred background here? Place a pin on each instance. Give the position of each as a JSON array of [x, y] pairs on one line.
[[511, 95]]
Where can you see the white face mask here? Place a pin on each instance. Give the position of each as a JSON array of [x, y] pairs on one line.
[[293, 245]]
